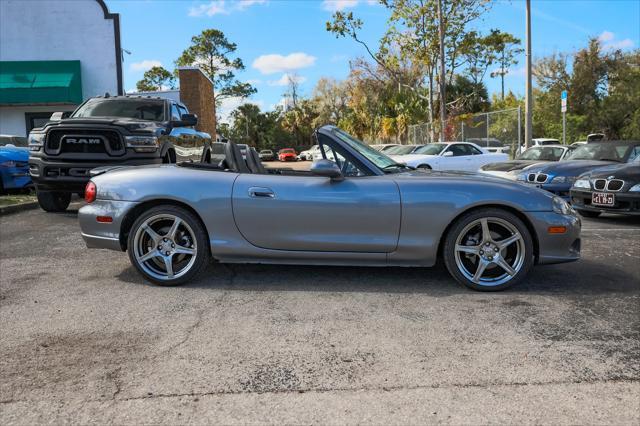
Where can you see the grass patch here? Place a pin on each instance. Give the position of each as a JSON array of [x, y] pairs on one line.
[[8, 200]]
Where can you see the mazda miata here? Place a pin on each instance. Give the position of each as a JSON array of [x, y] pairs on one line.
[[366, 209]]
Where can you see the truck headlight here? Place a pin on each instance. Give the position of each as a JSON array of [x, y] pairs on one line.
[[36, 141], [142, 143], [635, 188], [560, 206], [582, 183]]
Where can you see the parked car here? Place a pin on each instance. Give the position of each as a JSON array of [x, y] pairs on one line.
[[365, 209], [309, 154], [558, 177], [612, 189], [14, 168], [383, 147], [578, 143], [402, 149], [450, 156], [287, 154], [110, 130], [267, 155], [19, 141], [535, 155]]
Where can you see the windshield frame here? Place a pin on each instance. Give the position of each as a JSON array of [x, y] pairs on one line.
[[597, 146], [442, 146]]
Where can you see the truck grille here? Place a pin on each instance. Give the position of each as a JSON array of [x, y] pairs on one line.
[[84, 141]]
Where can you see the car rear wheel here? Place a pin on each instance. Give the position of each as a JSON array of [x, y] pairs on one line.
[[587, 213], [424, 167], [168, 245], [488, 250], [53, 201]]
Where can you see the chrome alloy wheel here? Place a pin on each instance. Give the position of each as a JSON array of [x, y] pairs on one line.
[[165, 247], [490, 251]]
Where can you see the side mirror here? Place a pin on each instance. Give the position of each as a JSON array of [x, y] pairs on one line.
[[327, 169], [448, 154], [186, 120]]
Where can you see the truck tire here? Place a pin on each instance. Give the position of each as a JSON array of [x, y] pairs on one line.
[[53, 201]]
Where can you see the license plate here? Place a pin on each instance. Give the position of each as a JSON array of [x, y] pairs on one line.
[[602, 199]]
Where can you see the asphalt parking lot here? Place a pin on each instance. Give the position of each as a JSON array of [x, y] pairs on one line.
[[86, 340]]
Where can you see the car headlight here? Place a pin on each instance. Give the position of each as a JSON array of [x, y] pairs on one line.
[[36, 141], [142, 143], [560, 206], [522, 177], [635, 188], [582, 183]]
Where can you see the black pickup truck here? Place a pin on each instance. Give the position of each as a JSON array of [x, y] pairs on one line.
[[108, 131]]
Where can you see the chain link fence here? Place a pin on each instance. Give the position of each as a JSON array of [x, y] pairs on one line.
[[494, 129]]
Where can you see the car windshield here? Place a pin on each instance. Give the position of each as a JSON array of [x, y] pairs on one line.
[[603, 151], [140, 109], [546, 153], [431, 149], [400, 150], [549, 142], [376, 157]]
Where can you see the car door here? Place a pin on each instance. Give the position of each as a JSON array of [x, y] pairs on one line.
[[460, 160], [360, 213]]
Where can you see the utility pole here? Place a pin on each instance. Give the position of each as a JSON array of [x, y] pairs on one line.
[[443, 105], [528, 126]]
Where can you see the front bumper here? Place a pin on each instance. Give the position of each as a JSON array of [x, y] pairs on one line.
[[51, 174], [104, 235], [560, 189], [556, 248], [625, 202]]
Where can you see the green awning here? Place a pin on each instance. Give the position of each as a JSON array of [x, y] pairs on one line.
[[40, 82]]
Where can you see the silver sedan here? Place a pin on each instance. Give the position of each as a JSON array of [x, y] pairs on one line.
[[365, 209]]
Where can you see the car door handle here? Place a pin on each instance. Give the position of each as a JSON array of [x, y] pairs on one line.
[[259, 192]]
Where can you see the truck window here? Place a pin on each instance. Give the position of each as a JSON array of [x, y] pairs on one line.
[[175, 113]]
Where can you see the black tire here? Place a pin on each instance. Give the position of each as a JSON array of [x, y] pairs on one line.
[[53, 201], [424, 167], [459, 226], [588, 213], [200, 236]]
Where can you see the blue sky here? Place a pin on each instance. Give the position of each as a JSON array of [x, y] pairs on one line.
[[276, 37]]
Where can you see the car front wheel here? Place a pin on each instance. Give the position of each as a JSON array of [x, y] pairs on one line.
[[168, 245], [488, 250]]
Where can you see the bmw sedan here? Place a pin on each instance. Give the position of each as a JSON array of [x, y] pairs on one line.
[[366, 209], [535, 155]]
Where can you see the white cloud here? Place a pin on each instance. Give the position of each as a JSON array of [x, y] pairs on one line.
[[222, 7], [284, 80], [271, 64], [229, 104], [606, 36], [337, 5], [254, 81], [145, 65], [608, 41]]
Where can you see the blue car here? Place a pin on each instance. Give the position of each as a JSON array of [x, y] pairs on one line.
[[14, 168], [558, 177]]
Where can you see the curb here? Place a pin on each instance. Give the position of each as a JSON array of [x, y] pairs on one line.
[[15, 208]]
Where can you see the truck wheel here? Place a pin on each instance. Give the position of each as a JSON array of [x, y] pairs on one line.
[[53, 201]]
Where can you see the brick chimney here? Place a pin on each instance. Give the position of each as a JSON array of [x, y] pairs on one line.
[[196, 92]]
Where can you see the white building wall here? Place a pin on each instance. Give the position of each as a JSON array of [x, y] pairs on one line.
[[57, 30], [12, 118]]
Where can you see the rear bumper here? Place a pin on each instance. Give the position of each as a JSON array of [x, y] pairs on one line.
[[556, 248], [625, 203], [103, 235], [72, 176]]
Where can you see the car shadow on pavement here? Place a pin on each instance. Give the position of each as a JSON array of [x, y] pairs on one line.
[[582, 277]]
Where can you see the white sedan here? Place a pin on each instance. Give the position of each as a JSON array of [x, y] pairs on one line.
[[463, 156]]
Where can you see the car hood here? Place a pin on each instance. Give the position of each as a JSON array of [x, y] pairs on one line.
[[508, 166], [627, 172], [568, 168], [14, 153]]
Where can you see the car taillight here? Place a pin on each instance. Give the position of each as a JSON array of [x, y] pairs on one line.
[[90, 192]]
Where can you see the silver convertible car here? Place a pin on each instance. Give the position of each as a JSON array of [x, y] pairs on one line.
[[366, 209]]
